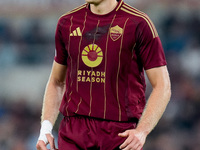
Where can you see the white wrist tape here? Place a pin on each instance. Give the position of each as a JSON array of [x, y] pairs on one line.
[[46, 128]]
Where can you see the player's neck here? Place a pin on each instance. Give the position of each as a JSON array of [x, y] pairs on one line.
[[103, 7]]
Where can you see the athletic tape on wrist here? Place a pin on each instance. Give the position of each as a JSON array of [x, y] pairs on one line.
[[46, 128]]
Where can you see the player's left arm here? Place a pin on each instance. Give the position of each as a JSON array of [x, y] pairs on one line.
[[156, 105]]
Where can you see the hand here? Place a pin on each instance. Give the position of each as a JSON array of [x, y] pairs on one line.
[[41, 145], [134, 141]]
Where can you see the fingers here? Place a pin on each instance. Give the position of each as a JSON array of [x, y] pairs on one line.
[[124, 134], [50, 138], [134, 140], [127, 143], [41, 145], [132, 146]]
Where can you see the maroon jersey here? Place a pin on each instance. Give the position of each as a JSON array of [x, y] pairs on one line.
[[106, 56]]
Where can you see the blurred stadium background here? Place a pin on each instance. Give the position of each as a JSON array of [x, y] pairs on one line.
[[27, 51]]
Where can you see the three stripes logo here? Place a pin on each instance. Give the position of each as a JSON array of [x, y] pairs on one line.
[[76, 32]]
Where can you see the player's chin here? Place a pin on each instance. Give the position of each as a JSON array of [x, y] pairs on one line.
[[93, 1]]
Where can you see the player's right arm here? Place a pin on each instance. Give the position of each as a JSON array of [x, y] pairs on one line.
[[52, 98]]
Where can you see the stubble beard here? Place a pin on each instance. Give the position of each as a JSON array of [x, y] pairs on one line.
[[95, 2]]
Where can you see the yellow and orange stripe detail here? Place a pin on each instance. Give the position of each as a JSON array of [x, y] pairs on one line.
[[75, 10], [97, 27], [80, 49], [117, 80], [105, 99], [70, 29], [128, 9], [79, 105], [119, 5], [78, 61]]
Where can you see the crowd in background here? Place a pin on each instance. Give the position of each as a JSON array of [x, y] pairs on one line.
[[30, 42]]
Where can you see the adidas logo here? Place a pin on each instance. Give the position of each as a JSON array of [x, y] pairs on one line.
[[76, 32]]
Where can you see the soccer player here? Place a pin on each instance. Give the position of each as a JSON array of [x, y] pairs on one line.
[[103, 49]]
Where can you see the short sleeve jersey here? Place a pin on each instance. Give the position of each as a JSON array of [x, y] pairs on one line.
[[106, 56]]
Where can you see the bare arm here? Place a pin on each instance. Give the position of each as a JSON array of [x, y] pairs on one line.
[[52, 98], [156, 105], [158, 100], [54, 92]]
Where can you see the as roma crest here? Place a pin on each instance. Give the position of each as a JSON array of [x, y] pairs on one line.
[[115, 32]]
